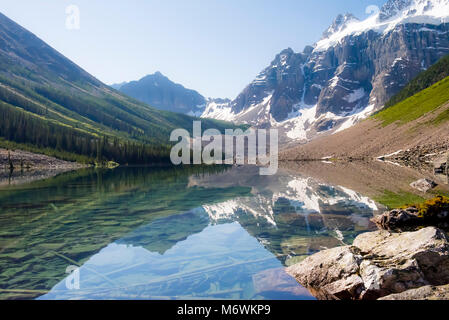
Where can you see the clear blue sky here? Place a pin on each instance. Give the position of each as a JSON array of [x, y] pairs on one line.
[[213, 46]]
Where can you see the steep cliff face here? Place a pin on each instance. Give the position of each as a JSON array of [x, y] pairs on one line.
[[351, 72], [280, 85]]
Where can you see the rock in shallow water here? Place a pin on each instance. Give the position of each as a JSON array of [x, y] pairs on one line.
[[377, 264]]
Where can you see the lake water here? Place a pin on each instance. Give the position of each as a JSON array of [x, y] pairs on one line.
[[141, 233]]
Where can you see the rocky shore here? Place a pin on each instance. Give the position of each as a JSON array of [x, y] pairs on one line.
[[387, 263], [432, 156], [434, 212], [379, 264], [27, 160], [20, 167]]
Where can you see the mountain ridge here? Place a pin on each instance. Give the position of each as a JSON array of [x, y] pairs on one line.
[[349, 74], [49, 103], [164, 94], [417, 125]]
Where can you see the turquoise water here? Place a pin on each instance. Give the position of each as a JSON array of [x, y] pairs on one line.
[[141, 233]]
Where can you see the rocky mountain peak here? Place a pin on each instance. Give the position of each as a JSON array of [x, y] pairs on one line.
[[409, 8], [219, 100], [282, 58], [351, 72], [393, 7], [160, 92], [339, 24], [157, 76]]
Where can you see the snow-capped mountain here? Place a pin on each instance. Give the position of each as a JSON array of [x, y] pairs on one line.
[[315, 208], [288, 198], [304, 195], [350, 72]]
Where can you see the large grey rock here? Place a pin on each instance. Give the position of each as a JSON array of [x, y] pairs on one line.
[[423, 293], [423, 185], [376, 265]]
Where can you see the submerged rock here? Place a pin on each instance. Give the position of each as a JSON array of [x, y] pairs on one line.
[[376, 265], [423, 293], [423, 185]]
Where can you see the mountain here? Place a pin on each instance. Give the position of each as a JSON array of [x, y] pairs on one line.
[[354, 69], [49, 104], [117, 86], [416, 128], [162, 93], [424, 80]]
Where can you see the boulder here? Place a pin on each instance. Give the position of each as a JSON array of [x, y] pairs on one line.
[[397, 218], [376, 265], [442, 169], [423, 185], [433, 212], [423, 293]]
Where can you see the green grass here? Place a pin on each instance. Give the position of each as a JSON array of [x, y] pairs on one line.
[[442, 117], [418, 105], [396, 200], [424, 80]]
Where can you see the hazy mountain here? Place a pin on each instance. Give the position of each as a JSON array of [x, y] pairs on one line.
[[162, 93], [117, 86]]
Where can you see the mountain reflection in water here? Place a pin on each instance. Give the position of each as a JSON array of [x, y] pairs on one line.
[[140, 233]]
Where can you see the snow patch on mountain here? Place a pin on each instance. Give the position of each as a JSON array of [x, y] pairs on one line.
[[259, 111], [395, 12], [218, 109], [226, 210], [355, 95], [356, 117], [298, 126]]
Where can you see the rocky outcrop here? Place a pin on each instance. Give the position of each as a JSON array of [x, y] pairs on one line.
[[423, 156], [397, 218], [423, 185], [434, 212], [441, 164], [423, 293], [442, 168], [376, 265]]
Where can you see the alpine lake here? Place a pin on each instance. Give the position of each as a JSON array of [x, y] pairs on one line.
[[181, 233]]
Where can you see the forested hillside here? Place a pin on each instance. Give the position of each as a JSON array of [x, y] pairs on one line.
[[49, 104]]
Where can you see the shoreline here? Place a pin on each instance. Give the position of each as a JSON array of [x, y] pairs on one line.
[[24, 160]]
